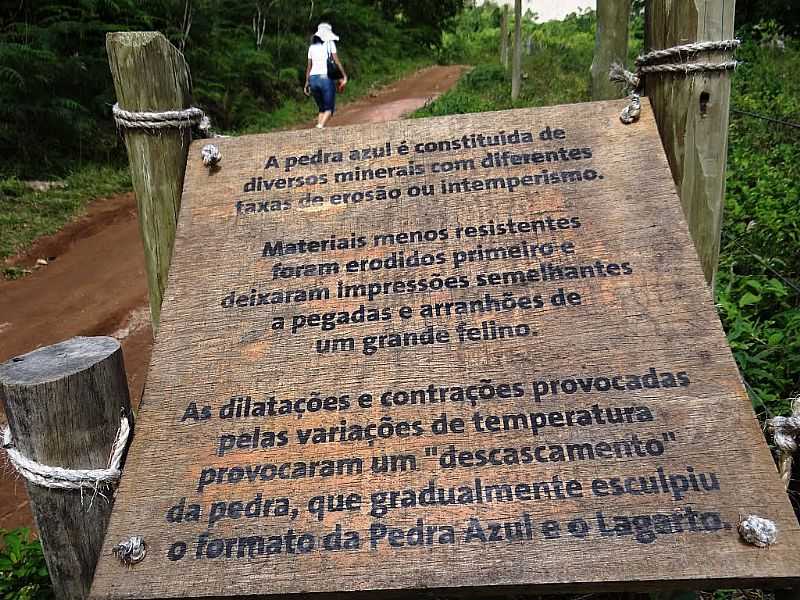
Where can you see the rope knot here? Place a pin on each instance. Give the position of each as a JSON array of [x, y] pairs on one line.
[[786, 430], [210, 155], [645, 64], [631, 112], [758, 531], [619, 74]]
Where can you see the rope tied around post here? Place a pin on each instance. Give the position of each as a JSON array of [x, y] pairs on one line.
[[71, 479], [180, 119], [645, 66], [786, 434], [786, 430]]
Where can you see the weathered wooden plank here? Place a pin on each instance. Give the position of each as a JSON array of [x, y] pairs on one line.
[[564, 230], [692, 115], [610, 46], [64, 404], [150, 74]]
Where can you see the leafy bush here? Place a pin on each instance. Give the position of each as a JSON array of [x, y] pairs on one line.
[[758, 283], [23, 572]]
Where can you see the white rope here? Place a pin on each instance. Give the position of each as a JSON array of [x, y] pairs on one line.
[[758, 531], [131, 551], [786, 430], [720, 46], [687, 68], [633, 80], [188, 117], [70, 479], [210, 155], [786, 433]]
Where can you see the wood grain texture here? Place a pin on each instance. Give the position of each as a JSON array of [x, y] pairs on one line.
[[692, 114], [650, 310], [610, 46], [63, 404], [150, 74]]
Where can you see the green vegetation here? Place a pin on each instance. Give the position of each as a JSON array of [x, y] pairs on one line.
[[56, 90], [560, 49], [55, 96], [26, 214], [758, 284], [23, 572]]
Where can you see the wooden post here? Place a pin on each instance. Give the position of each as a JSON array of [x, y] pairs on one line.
[[504, 37], [692, 115], [516, 73], [610, 46], [150, 74], [64, 404]]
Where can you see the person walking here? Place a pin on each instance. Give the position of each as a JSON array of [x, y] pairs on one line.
[[321, 77]]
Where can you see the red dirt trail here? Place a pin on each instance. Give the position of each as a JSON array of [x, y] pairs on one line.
[[96, 285]]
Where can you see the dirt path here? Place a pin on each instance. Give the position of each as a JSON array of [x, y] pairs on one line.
[[96, 285]]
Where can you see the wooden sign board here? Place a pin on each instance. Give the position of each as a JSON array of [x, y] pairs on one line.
[[472, 351]]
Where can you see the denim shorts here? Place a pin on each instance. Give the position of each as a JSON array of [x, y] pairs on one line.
[[324, 92]]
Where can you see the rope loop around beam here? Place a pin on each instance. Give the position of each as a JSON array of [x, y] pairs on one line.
[[180, 119], [71, 479], [645, 66]]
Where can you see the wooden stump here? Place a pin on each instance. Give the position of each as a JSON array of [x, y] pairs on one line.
[[64, 404]]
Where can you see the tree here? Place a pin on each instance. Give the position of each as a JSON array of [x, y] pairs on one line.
[[516, 73], [425, 18], [504, 37], [611, 46]]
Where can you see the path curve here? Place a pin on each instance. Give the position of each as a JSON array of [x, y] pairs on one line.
[[97, 285]]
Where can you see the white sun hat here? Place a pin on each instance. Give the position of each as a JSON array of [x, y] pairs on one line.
[[325, 33]]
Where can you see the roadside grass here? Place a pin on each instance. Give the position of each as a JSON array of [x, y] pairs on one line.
[[758, 281], [26, 214]]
